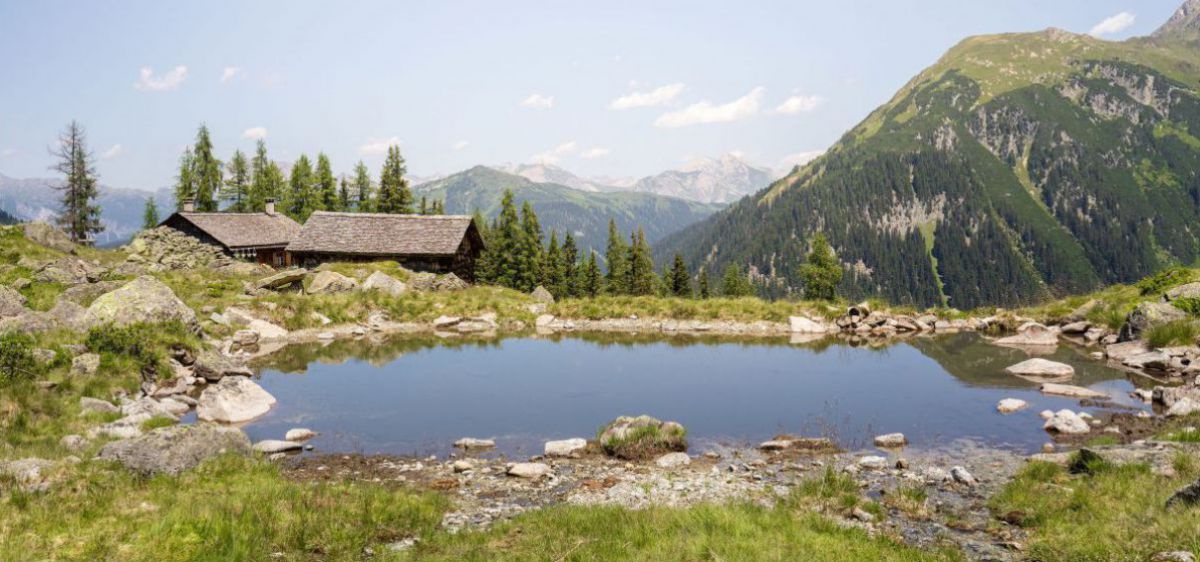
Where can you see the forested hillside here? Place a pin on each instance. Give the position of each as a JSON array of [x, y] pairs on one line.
[[1017, 168]]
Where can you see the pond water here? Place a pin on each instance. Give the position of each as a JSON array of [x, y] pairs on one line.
[[417, 396]]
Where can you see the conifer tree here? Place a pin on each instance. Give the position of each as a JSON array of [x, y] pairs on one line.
[[735, 284], [301, 196], [821, 272], [570, 267], [504, 249], [237, 185], [703, 283], [344, 201], [206, 171], [439, 207], [617, 256], [80, 216], [394, 194], [424, 208], [485, 268], [529, 249], [185, 182], [642, 280], [261, 185], [552, 268], [362, 188], [591, 280], [325, 186], [679, 281], [150, 214]]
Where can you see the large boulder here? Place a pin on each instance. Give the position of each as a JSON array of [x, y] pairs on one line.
[[805, 325], [1031, 334], [384, 283], [450, 282], [85, 293], [1067, 422], [642, 437], [422, 281], [172, 450], [1189, 291], [330, 282], [1147, 316], [12, 303], [1039, 368], [540, 294], [1071, 391], [144, 299], [214, 366], [282, 279], [69, 271], [234, 400], [45, 235], [565, 447]]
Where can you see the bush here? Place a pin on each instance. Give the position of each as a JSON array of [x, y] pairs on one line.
[[1190, 306], [1166, 279], [16, 358], [144, 344]]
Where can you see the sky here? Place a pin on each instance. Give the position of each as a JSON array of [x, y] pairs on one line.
[[622, 89]]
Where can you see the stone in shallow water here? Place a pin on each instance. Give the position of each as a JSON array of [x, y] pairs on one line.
[[271, 446], [1067, 422], [1042, 368], [1010, 405], [891, 441], [299, 434], [470, 443], [1071, 391], [234, 400], [872, 463], [565, 447]]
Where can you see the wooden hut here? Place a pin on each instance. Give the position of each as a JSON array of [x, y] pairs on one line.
[[261, 237], [438, 244]]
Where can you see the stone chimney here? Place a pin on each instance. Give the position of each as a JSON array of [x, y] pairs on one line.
[[189, 205], [271, 206]]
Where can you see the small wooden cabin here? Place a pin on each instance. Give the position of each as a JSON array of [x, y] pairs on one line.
[[260, 237], [437, 244]]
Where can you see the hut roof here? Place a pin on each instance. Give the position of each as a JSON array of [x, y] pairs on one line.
[[245, 230], [373, 234]]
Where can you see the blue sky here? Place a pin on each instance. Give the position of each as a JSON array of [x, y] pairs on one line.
[[461, 83]]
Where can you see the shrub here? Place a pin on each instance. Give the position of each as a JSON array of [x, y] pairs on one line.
[[1190, 306], [16, 357], [144, 344], [1166, 279]]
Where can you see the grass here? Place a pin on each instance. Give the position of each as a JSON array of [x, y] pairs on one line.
[[744, 309], [1180, 332], [643, 441], [1109, 513], [911, 500]]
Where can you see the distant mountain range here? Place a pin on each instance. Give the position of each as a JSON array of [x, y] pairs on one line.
[[120, 209], [565, 209]]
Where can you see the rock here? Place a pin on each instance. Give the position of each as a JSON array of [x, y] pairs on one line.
[[1148, 315], [1077, 328], [1169, 395], [1067, 422], [267, 331], [891, 441], [775, 445], [272, 446], [89, 404], [673, 460], [69, 271], [1125, 350], [1174, 556], [862, 515], [234, 400], [384, 283], [446, 321], [1083, 461], [48, 236], [165, 248], [936, 475], [1010, 405], [422, 281], [803, 325], [12, 303], [1042, 369], [1187, 496], [471, 443], [1031, 334], [565, 447], [530, 470], [540, 294], [299, 434], [803, 443], [245, 338], [1188, 291], [330, 282], [462, 465], [872, 462], [1150, 361], [214, 366], [85, 365], [450, 282], [543, 321], [84, 294], [143, 300], [282, 279], [960, 475], [1183, 407], [28, 473], [172, 450], [1071, 391], [642, 437]]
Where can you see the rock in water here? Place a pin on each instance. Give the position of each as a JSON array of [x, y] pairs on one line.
[[234, 400], [272, 446], [565, 448], [330, 282], [1071, 391], [530, 470], [172, 450], [1031, 334], [1042, 369], [642, 437], [471, 443], [540, 294], [1067, 422], [384, 283], [299, 434], [214, 366], [1010, 405], [891, 441], [804, 325], [144, 299], [872, 462]]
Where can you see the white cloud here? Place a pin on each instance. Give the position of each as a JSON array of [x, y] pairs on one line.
[[800, 158], [113, 152], [538, 101], [1115, 24], [657, 96], [230, 73], [169, 80], [799, 104], [376, 147], [705, 112], [595, 152], [255, 133], [461, 145], [555, 154]]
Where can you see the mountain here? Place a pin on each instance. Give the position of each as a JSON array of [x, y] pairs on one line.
[[708, 180], [120, 209], [566, 209], [1017, 168], [549, 173]]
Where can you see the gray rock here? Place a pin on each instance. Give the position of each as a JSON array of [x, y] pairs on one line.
[[144, 299], [281, 279], [1148, 315], [28, 473], [1010, 405], [1067, 422], [234, 400], [1188, 291], [89, 404], [1031, 334], [805, 325], [1077, 328], [471, 443], [642, 436], [1070, 391], [384, 283], [272, 446], [1184, 407], [74, 443], [422, 281], [673, 460], [1042, 369], [1150, 360], [891, 441], [48, 236], [84, 294], [960, 475], [1125, 350], [214, 366], [12, 303], [1173, 556], [85, 365], [1186, 497], [172, 450], [565, 447], [69, 271], [529, 470], [540, 294], [872, 462], [299, 434], [330, 282], [450, 282]]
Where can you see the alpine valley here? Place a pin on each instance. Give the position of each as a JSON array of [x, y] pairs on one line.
[[1017, 168]]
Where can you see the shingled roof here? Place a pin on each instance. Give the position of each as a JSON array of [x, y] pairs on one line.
[[372, 234], [245, 230]]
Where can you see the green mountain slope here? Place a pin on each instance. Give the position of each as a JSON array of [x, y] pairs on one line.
[[1017, 168], [564, 209]]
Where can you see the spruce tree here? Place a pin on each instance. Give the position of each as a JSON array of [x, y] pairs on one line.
[[570, 267], [591, 280], [552, 268], [261, 187], [344, 201], [679, 281], [735, 284], [237, 185], [703, 283], [504, 248], [529, 249], [301, 194], [80, 216], [206, 171], [423, 209], [150, 214], [821, 272], [362, 188], [394, 194], [325, 186], [641, 279], [617, 256], [485, 269], [185, 182], [439, 207]]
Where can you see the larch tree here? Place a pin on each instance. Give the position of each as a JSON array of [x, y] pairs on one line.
[[150, 214], [325, 186], [237, 184], [185, 181], [206, 170], [301, 195], [80, 215], [395, 197]]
